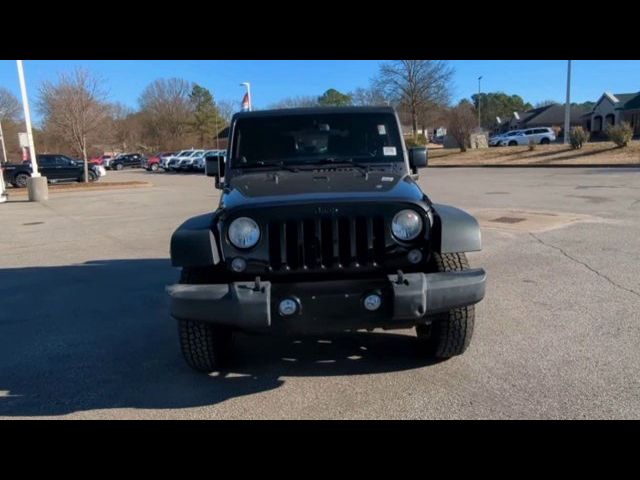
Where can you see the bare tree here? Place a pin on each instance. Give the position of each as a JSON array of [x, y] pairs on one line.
[[461, 121], [296, 102], [369, 97], [168, 111], [74, 107], [415, 85], [226, 109], [10, 108]]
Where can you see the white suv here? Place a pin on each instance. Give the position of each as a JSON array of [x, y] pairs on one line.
[[544, 136], [497, 140]]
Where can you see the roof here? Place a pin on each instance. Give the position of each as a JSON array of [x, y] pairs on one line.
[[312, 110], [620, 100], [553, 114]]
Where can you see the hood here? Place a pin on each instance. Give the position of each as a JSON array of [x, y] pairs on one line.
[[321, 185]]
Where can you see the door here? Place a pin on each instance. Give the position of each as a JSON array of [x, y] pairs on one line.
[[67, 168], [47, 167]]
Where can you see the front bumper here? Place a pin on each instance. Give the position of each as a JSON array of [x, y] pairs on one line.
[[330, 305]]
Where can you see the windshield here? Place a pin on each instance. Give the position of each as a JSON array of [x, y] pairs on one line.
[[310, 138]]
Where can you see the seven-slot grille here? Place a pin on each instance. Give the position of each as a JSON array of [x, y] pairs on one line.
[[326, 242]]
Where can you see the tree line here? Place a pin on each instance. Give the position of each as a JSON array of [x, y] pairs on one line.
[[78, 118]]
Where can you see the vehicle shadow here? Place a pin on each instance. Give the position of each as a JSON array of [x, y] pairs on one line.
[[97, 336]]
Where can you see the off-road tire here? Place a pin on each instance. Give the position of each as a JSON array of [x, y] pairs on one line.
[[449, 333], [205, 347], [20, 180]]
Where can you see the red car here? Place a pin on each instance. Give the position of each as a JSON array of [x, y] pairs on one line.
[[157, 161], [100, 160]]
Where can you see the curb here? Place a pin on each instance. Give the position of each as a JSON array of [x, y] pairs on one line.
[[14, 192]]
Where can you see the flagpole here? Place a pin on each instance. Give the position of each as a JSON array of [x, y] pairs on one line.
[[248, 87]]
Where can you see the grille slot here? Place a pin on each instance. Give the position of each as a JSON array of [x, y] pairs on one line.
[[326, 243]]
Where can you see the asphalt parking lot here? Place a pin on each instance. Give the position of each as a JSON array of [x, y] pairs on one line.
[[84, 330]]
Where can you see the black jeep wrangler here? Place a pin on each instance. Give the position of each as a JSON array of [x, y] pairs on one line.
[[321, 227]]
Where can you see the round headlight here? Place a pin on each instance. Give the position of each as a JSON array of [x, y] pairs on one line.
[[244, 232], [406, 225]]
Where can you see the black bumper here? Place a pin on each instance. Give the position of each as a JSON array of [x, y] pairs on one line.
[[330, 305]]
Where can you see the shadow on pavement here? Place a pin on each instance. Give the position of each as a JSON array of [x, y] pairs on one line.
[[97, 336]]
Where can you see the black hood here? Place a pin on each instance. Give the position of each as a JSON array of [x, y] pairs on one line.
[[321, 185]]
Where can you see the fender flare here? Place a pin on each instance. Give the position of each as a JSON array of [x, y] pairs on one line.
[[456, 231], [194, 244]]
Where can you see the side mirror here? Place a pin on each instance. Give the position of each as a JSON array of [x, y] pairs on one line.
[[214, 167], [418, 158]]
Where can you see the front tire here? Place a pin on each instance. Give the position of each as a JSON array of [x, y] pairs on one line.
[[119, 167], [448, 334], [205, 347], [154, 167], [513, 143], [20, 180]]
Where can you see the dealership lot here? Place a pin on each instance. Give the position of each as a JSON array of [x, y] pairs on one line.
[[84, 330]]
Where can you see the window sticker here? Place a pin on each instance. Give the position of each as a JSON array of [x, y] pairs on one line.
[[382, 130], [389, 151]]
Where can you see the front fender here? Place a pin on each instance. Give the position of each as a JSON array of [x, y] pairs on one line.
[[194, 244], [456, 231]]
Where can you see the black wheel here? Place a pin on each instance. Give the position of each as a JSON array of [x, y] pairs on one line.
[[119, 166], [205, 347], [20, 180], [154, 167], [545, 141], [513, 143], [449, 333]]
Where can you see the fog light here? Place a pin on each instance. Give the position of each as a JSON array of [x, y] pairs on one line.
[[287, 307], [372, 302], [238, 265], [414, 256]]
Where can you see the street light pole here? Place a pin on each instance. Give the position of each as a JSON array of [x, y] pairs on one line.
[[567, 106], [479, 92], [27, 119], [3, 194], [37, 187], [4, 148], [248, 86]]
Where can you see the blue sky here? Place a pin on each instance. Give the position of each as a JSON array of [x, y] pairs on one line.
[[271, 80]]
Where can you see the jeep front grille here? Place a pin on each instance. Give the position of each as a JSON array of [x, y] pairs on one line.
[[326, 243]]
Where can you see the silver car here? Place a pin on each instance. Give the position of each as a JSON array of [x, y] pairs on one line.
[[542, 135]]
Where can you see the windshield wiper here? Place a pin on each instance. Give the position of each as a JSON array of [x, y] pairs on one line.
[[266, 163], [363, 167]]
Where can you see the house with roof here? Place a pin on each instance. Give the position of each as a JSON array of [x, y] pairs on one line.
[[613, 109], [547, 116]]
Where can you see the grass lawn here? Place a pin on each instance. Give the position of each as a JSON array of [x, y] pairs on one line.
[[596, 153]]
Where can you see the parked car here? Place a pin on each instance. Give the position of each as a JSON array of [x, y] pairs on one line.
[[157, 161], [55, 167], [199, 161], [173, 161], [496, 140], [185, 163], [101, 159], [127, 160], [543, 136], [322, 227]]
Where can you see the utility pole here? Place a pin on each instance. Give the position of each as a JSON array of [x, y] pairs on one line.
[[479, 92], [4, 148], [36, 185], [3, 195], [567, 106]]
